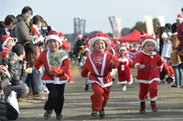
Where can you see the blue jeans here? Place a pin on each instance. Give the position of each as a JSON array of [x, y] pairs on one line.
[[34, 82], [178, 72]]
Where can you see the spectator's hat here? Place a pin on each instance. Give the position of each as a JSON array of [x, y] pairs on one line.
[[5, 39]]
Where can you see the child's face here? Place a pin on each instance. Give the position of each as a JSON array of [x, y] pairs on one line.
[[100, 46], [10, 44], [53, 45], [40, 24], [122, 52], [149, 47]]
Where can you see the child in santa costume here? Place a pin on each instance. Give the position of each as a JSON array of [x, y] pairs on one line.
[[100, 64], [148, 63], [86, 52], [124, 71], [7, 44], [56, 64]]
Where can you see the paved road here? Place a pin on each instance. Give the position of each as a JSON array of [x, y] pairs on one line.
[[122, 106]]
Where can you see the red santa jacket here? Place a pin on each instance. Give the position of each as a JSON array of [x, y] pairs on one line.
[[35, 31], [124, 71], [4, 52], [152, 63], [60, 75], [104, 78]]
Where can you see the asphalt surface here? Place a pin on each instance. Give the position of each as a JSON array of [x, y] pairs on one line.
[[122, 106]]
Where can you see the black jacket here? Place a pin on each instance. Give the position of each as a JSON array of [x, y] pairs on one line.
[[18, 74]]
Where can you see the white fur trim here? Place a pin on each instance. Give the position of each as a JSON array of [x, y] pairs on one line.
[[123, 60], [92, 41], [102, 85], [148, 40], [153, 53], [55, 82], [55, 37], [154, 98], [5, 42], [123, 48], [86, 49], [148, 81], [136, 65], [122, 82]]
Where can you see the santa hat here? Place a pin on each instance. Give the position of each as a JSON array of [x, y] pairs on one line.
[[100, 36], [61, 35], [122, 48], [148, 38], [5, 39], [55, 36], [86, 49], [143, 34], [179, 17], [79, 36]]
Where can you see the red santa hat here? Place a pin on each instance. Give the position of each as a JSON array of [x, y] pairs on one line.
[[86, 49], [54, 35], [143, 34], [179, 17], [5, 39], [122, 48], [61, 35], [148, 38], [79, 35], [100, 36]]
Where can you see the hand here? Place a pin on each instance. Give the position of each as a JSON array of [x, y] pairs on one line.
[[141, 66], [35, 37], [28, 70], [51, 72], [111, 63]]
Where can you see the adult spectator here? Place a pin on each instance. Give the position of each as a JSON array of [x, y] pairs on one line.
[[7, 26], [22, 29]]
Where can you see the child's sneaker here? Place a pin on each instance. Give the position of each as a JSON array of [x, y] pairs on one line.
[[47, 114], [59, 117], [154, 107], [94, 113], [142, 107], [102, 113]]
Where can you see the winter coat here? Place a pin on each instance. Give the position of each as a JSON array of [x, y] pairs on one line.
[[175, 57], [22, 30], [18, 75]]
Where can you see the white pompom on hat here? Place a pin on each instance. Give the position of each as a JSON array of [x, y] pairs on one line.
[[100, 36], [53, 35], [148, 38]]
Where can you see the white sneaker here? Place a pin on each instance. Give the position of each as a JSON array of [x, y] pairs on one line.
[[124, 88]]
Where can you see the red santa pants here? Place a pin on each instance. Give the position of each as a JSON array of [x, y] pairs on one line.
[[100, 96], [151, 89]]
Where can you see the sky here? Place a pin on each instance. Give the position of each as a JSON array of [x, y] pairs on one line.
[[60, 13]]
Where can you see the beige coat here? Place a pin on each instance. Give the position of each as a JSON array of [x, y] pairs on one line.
[[175, 57]]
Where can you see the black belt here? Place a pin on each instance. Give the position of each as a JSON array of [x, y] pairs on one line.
[[48, 73], [151, 67], [99, 75]]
